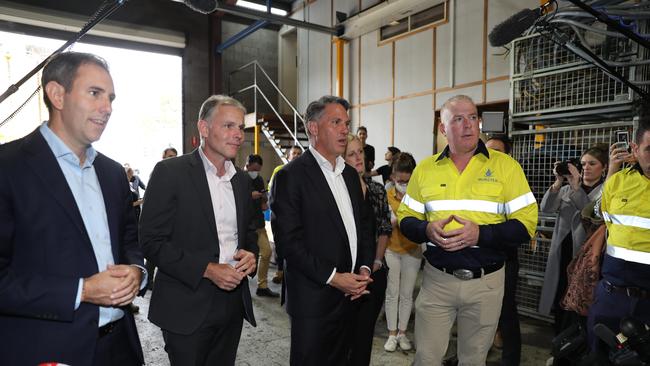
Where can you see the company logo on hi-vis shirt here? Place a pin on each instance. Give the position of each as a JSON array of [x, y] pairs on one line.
[[488, 177]]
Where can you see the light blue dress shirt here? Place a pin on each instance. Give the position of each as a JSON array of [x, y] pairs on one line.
[[87, 193]]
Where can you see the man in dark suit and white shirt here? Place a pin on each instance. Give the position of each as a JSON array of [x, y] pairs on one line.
[[69, 256], [196, 227], [322, 230]]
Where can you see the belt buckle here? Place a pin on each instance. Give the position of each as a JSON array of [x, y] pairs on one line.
[[463, 274]]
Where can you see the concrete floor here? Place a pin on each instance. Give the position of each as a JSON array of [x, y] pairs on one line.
[[268, 344]]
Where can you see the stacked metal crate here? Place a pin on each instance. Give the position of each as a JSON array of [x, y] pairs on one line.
[[560, 105]]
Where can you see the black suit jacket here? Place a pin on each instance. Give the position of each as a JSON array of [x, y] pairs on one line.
[[310, 235], [45, 249], [178, 234]]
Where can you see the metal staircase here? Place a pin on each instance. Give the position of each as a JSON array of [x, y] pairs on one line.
[[281, 130]]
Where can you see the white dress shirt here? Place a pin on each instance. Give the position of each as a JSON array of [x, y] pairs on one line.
[[223, 206], [334, 178]]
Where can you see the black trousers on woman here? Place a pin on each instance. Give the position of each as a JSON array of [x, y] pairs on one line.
[[368, 310]]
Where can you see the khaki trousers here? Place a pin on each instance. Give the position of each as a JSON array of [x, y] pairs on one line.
[[265, 258], [475, 303]]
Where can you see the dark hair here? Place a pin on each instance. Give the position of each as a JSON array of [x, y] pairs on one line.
[[169, 149], [315, 109], [505, 140], [63, 70], [362, 128], [403, 162], [600, 152], [393, 150], [253, 159], [643, 111]]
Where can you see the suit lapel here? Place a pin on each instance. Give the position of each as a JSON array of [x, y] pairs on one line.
[[44, 165], [352, 182], [200, 180], [317, 177]]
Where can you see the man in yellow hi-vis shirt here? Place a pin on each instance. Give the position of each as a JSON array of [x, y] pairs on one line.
[[624, 290], [469, 204]]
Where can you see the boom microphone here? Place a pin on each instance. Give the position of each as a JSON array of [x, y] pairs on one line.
[[513, 27], [202, 6]]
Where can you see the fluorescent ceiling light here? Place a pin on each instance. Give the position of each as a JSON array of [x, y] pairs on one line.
[[254, 6]]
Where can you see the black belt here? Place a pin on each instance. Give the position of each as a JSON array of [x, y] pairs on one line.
[[637, 292], [470, 274], [108, 328]]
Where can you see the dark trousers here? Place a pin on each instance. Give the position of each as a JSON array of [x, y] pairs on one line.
[[323, 341], [509, 320], [113, 349], [368, 310], [216, 341], [609, 308]]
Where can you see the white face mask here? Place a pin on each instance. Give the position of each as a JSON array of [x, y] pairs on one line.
[[253, 175], [401, 187]]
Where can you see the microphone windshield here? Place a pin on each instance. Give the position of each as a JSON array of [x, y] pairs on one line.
[[606, 335], [202, 6], [513, 27]]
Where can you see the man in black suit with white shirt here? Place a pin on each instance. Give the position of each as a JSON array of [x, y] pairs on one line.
[[196, 228], [322, 230]]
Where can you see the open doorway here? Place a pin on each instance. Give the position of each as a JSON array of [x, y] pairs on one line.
[[147, 112]]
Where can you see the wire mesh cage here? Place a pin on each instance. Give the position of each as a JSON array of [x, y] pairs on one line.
[[548, 78], [537, 150]]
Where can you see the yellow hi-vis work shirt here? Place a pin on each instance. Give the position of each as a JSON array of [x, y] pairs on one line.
[[491, 190], [626, 209]]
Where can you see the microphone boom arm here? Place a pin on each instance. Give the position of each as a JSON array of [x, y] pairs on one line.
[[99, 15], [559, 37]]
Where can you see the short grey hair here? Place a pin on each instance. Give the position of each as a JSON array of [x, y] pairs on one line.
[[455, 98], [316, 108], [214, 102]]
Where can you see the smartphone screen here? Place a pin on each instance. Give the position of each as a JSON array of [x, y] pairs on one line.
[[623, 138]]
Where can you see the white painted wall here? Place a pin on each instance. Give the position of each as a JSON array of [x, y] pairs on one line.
[[402, 83]]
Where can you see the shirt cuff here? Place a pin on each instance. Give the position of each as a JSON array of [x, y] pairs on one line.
[[366, 267], [80, 288], [331, 276], [145, 275]]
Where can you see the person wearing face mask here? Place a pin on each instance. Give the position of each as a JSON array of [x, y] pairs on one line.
[[567, 201], [253, 166], [403, 258]]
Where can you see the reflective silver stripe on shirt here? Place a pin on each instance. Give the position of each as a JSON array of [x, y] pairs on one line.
[[627, 220], [629, 255], [465, 205], [520, 202], [413, 204]]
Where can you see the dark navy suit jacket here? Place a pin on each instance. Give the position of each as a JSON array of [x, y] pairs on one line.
[[45, 249]]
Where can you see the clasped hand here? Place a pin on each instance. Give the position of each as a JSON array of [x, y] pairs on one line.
[[351, 284], [228, 277], [116, 286], [453, 240]]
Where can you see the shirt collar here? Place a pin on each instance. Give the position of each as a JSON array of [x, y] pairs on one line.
[[340, 162], [480, 149], [636, 167], [210, 168], [61, 150]]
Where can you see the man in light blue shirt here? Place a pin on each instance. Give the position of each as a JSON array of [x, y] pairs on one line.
[[69, 258]]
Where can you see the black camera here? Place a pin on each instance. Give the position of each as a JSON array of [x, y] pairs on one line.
[[563, 167]]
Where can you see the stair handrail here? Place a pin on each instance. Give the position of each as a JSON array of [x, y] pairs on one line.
[[296, 115]]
